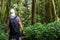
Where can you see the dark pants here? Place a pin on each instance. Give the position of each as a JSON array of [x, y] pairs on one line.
[[16, 37], [10, 38], [19, 38]]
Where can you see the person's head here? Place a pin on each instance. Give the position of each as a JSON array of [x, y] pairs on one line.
[[12, 12]]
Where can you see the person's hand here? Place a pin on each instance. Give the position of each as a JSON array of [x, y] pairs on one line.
[[23, 32]]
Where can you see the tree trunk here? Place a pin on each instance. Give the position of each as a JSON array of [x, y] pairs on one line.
[[7, 9], [33, 11], [48, 14], [54, 9], [38, 15]]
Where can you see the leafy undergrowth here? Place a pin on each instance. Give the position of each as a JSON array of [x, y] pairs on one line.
[[37, 31], [40, 31], [3, 32]]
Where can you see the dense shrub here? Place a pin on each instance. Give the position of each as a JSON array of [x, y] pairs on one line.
[[37, 31], [3, 32], [40, 31]]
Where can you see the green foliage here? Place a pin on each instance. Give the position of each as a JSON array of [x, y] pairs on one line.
[[37, 31], [40, 31], [3, 32], [23, 13]]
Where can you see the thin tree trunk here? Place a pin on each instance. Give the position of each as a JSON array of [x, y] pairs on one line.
[[54, 8], [33, 11], [38, 12], [7, 9], [1, 11], [48, 14]]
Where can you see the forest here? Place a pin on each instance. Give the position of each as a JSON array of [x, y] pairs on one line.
[[40, 18]]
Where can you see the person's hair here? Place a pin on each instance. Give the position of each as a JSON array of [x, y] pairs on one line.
[[12, 10]]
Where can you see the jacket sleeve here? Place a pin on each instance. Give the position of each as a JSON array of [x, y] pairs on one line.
[[18, 20]]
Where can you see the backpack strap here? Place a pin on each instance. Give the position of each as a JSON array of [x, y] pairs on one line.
[[15, 18]]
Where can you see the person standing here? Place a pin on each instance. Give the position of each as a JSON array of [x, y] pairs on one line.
[[13, 26]]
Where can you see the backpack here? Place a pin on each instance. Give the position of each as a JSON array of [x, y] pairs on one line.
[[14, 26]]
